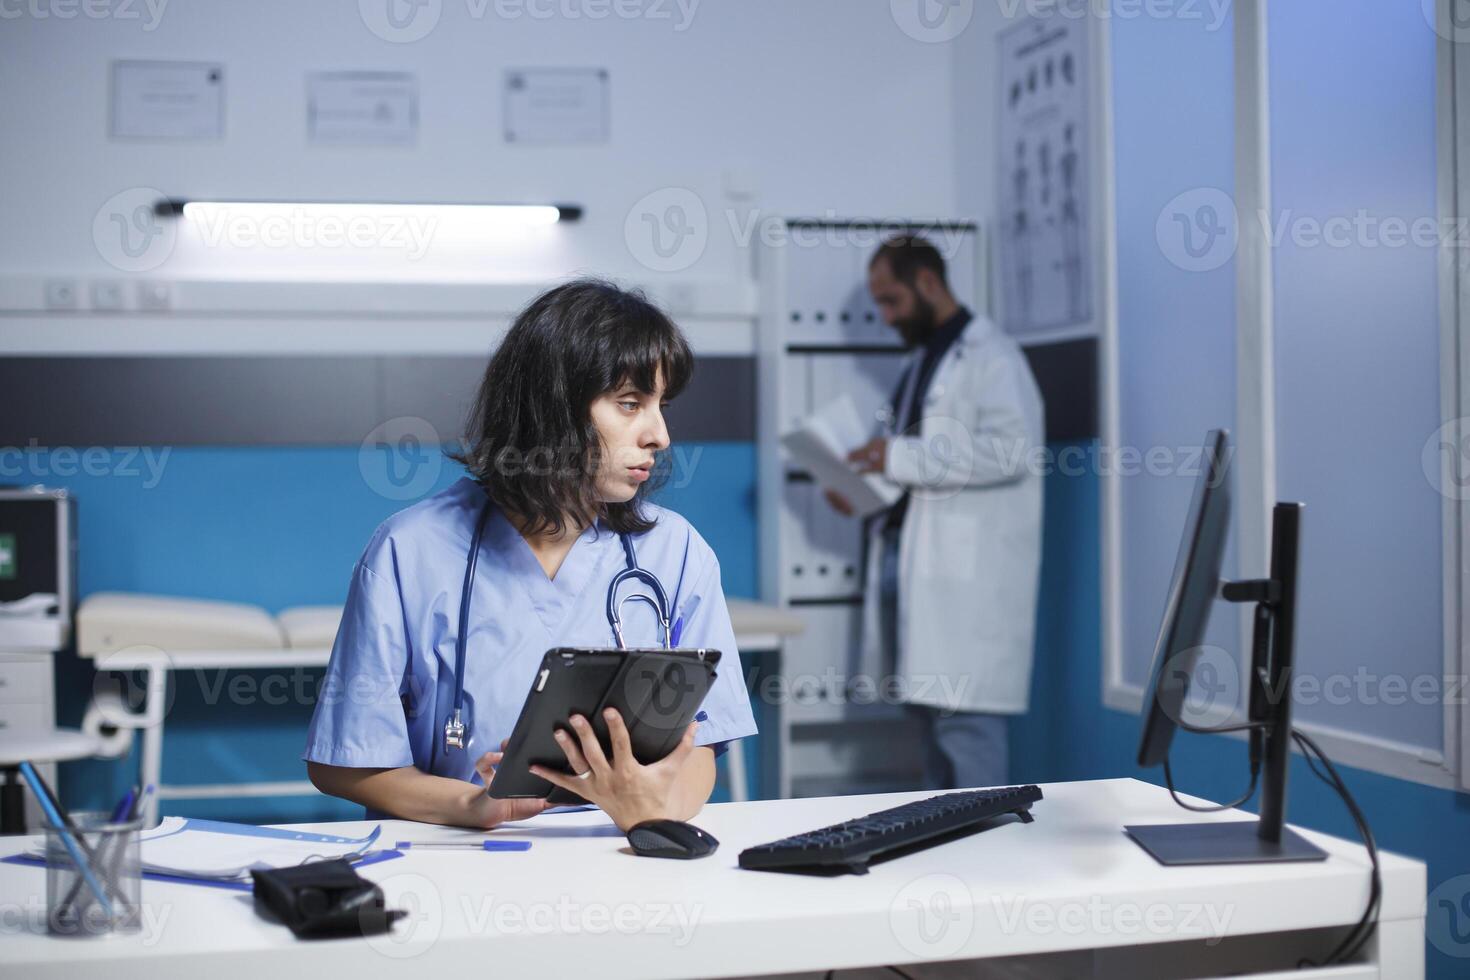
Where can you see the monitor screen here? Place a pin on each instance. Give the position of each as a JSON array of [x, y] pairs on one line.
[[1192, 593]]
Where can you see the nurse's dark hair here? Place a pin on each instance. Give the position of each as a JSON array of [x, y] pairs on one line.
[[530, 441], [906, 255]]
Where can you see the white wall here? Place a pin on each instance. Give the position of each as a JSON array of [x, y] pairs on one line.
[[973, 78], [815, 106]]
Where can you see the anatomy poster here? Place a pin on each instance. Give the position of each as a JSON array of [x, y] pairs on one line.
[[1043, 224]]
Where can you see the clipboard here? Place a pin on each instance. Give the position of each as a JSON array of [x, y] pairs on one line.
[[656, 691]]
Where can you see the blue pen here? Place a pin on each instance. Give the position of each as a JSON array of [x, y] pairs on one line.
[[38, 787], [464, 845], [124, 807], [678, 631]]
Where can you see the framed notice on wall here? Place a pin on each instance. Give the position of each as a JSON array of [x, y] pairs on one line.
[[167, 100], [1045, 219], [556, 105], [362, 108]]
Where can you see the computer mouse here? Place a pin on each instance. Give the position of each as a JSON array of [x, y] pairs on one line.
[[670, 839]]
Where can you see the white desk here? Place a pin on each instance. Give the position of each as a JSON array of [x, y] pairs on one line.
[[757, 627], [1069, 888]]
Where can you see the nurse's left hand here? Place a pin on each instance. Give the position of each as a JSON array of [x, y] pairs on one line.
[[626, 790], [488, 812]]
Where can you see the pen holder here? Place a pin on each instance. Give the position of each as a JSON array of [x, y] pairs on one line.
[[101, 895]]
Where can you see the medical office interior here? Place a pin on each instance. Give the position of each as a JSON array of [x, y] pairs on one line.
[[253, 267]]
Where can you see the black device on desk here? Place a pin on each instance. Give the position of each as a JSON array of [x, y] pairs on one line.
[[656, 691], [850, 846], [1192, 594], [322, 899], [671, 839]]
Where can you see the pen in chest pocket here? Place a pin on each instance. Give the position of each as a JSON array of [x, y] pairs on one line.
[[687, 612]]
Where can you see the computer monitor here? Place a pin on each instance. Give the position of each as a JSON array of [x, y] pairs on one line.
[[1191, 597]]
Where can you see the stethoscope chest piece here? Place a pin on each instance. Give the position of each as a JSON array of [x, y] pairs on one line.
[[454, 732]]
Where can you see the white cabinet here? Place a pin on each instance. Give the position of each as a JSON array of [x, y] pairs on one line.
[[28, 707], [821, 337]]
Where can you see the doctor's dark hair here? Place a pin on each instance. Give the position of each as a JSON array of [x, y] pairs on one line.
[[530, 440], [906, 255]]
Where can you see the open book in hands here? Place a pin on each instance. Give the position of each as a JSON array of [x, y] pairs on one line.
[[820, 446]]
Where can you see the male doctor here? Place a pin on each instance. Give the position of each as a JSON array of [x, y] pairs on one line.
[[953, 565]]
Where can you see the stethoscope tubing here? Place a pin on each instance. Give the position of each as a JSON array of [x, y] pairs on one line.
[[454, 729]]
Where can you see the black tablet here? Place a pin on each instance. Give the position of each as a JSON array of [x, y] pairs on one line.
[[656, 691]]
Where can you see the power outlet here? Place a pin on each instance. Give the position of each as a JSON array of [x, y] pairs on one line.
[[108, 296], [155, 295], [61, 294]]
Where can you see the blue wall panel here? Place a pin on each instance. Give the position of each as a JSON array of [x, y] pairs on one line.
[[282, 527]]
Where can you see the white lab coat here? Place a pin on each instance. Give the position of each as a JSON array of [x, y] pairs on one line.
[[970, 548]]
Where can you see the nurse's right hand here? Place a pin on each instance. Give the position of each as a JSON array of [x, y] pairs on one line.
[[489, 812]]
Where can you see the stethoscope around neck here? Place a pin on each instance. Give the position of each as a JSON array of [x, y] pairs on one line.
[[454, 728]]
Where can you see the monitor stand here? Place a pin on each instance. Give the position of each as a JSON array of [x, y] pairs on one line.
[[1233, 842], [1267, 839]]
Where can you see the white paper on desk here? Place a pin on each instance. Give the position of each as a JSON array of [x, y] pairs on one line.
[[221, 851], [821, 444]]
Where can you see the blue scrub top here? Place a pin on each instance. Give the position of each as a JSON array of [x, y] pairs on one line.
[[389, 687]]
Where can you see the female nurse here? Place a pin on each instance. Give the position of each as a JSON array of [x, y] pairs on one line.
[[563, 437]]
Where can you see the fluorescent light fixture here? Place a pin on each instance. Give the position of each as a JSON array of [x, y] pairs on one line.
[[498, 216]]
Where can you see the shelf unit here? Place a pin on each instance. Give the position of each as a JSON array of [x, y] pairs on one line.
[[818, 336]]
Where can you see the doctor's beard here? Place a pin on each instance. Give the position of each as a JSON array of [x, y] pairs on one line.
[[918, 326]]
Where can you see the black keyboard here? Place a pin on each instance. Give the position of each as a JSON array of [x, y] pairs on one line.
[[850, 846]]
